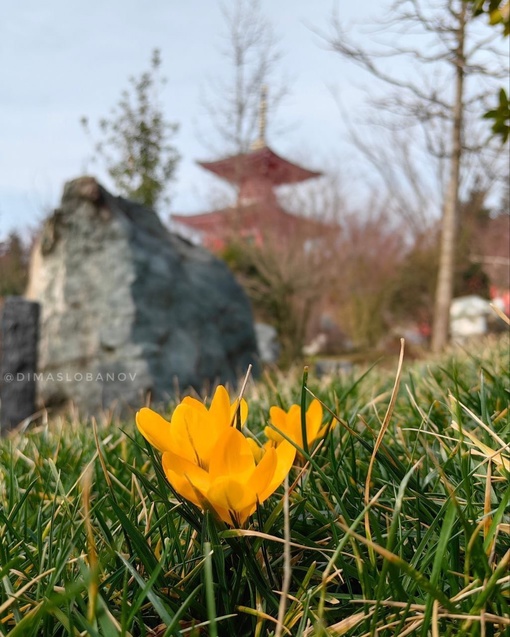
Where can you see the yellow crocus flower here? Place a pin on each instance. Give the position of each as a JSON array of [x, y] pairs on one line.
[[289, 423], [209, 461]]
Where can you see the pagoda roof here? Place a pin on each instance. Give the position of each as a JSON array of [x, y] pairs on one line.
[[262, 163], [255, 214]]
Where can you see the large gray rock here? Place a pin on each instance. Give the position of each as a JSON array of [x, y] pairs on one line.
[[127, 308]]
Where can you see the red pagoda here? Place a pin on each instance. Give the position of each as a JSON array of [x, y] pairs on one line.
[[257, 212]]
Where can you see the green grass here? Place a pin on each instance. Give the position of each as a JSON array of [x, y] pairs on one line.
[[398, 524]]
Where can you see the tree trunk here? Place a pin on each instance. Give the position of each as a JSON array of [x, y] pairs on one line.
[[445, 277]]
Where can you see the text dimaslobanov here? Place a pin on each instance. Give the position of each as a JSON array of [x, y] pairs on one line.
[[66, 377]]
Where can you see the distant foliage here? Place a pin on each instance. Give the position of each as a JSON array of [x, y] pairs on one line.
[[285, 282], [480, 253], [498, 12], [136, 145], [13, 266], [500, 116], [412, 293]]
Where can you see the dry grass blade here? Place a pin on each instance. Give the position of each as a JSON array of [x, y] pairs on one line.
[[100, 455], [91, 545], [496, 456], [379, 439], [24, 588], [240, 397], [340, 628], [272, 538], [260, 614], [500, 312], [435, 619], [487, 507], [287, 568]]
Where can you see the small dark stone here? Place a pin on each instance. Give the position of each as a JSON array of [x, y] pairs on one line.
[[19, 327]]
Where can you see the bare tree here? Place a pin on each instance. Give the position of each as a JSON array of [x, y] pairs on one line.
[[410, 194], [287, 276], [370, 252], [251, 54], [431, 95], [445, 276]]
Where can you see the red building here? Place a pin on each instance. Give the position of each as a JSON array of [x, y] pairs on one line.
[[257, 211]]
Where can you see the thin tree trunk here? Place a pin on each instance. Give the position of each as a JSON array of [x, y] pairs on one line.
[[445, 278]]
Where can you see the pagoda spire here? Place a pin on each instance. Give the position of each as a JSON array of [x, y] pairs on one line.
[[260, 142], [259, 170]]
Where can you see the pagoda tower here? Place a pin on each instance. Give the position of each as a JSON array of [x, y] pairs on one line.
[[257, 211]]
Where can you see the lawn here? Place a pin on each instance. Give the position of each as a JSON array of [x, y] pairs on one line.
[[394, 521]]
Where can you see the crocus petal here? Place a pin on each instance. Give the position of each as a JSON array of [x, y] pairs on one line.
[[313, 420], [220, 406], [273, 435], [193, 435], [285, 454], [155, 429], [256, 450], [263, 474], [278, 419], [244, 514], [327, 427], [196, 404], [188, 479], [229, 517], [229, 493], [231, 457], [289, 423], [294, 429], [185, 421], [244, 411]]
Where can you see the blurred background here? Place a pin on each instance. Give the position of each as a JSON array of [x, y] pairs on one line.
[[395, 109]]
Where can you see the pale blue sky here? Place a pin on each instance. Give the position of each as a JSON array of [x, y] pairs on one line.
[[60, 60]]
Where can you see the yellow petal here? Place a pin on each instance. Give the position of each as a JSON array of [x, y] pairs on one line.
[[278, 417], [256, 450], [196, 404], [263, 475], [273, 435], [194, 434], [313, 420], [244, 514], [329, 426], [229, 517], [183, 429], [279, 420], [324, 430], [244, 411], [231, 498], [295, 431], [155, 429], [219, 410], [188, 479], [232, 457], [230, 493], [285, 454]]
